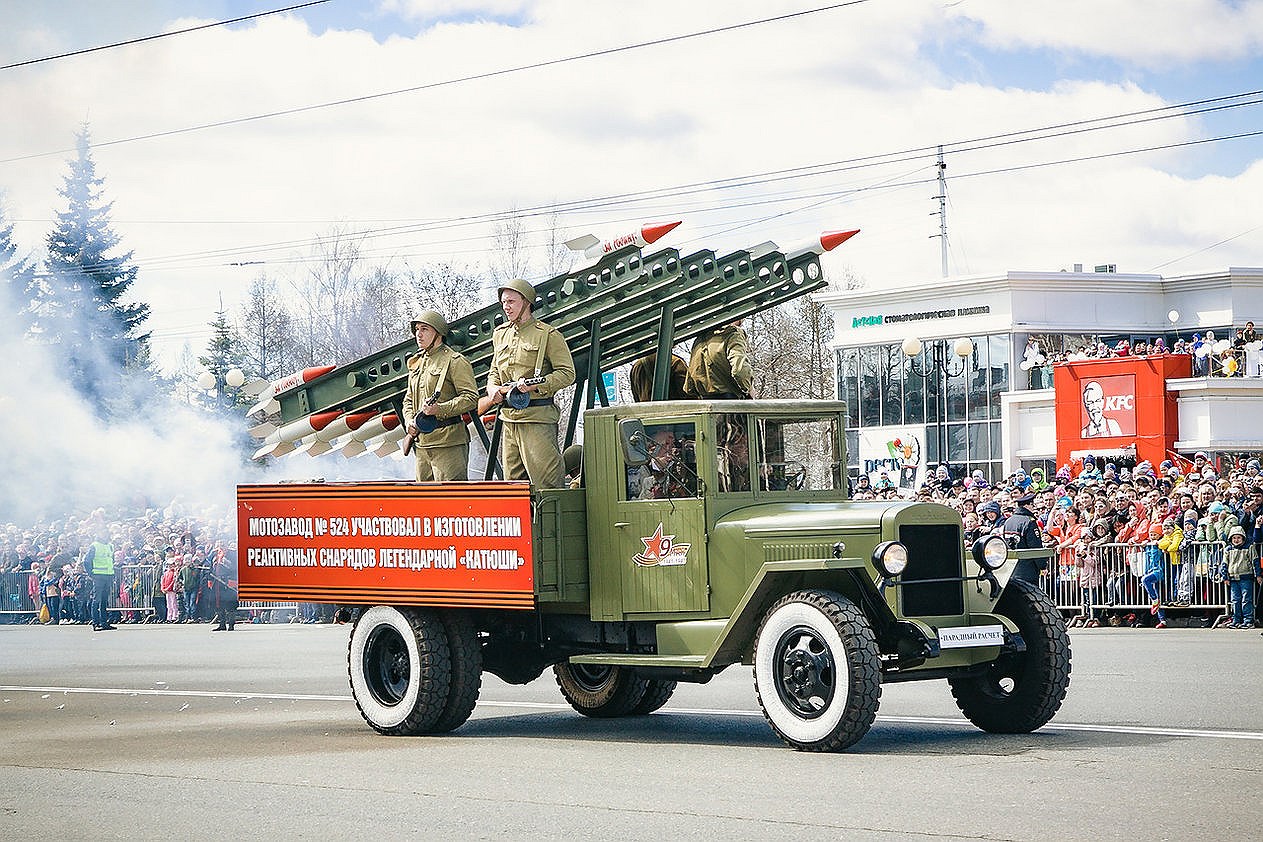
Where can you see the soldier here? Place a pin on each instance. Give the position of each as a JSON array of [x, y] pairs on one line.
[[1021, 532], [642, 373], [719, 366], [442, 454], [526, 348]]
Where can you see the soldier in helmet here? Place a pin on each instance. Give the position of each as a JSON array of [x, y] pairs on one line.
[[525, 349], [441, 386], [719, 366]]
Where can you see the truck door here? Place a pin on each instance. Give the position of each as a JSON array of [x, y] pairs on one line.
[[661, 526]]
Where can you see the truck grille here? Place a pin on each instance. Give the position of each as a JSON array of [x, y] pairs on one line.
[[933, 553]]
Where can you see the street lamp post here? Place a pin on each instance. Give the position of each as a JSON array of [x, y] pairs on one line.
[[940, 366]]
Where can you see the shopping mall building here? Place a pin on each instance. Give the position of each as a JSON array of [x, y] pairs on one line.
[[996, 409]]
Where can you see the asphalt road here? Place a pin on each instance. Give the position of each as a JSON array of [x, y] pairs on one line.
[[170, 732]]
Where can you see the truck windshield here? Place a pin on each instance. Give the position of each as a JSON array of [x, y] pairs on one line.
[[799, 454]]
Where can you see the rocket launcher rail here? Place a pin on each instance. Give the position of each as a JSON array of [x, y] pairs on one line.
[[624, 306]]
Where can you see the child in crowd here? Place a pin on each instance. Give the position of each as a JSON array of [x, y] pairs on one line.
[[1155, 573], [1243, 569], [1089, 551]]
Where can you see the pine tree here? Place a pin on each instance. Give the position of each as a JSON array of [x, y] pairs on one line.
[[83, 311]]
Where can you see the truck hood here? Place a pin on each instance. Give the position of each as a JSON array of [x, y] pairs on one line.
[[800, 520]]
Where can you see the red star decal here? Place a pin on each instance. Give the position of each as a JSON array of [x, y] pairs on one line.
[[657, 544]]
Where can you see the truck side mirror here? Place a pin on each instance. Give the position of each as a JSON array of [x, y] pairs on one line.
[[631, 433]]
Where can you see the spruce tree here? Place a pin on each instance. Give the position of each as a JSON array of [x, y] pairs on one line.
[[18, 283], [83, 311], [224, 353]]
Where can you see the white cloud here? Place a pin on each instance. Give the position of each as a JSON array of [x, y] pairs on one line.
[[829, 87], [1142, 32]]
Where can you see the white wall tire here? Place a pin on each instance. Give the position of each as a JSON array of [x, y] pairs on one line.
[[816, 671], [399, 665]]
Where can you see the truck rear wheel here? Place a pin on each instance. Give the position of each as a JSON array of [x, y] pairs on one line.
[[600, 690], [400, 667], [466, 652], [1020, 691], [657, 693], [816, 671]]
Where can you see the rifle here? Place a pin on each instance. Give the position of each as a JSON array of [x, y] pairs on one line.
[[424, 423]]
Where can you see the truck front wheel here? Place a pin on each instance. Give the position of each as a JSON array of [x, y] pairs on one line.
[[600, 690], [1020, 691], [816, 671], [400, 667]]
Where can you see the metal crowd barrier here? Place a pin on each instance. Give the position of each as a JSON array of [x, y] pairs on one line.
[[1196, 582], [133, 596]]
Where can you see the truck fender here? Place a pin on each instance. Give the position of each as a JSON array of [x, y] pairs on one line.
[[851, 577]]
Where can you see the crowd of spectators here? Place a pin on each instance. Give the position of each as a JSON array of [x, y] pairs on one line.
[[162, 563], [1161, 514], [1240, 355]]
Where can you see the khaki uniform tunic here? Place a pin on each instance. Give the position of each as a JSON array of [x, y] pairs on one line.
[[443, 455], [529, 447], [719, 364], [641, 378]]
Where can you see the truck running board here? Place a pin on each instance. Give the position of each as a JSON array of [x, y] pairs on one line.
[[622, 659]]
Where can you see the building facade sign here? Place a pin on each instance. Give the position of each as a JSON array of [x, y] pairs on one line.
[[897, 452], [873, 320]]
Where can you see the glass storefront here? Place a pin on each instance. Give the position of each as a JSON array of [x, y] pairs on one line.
[[958, 405]]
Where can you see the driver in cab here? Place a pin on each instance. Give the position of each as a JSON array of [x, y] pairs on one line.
[[666, 474]]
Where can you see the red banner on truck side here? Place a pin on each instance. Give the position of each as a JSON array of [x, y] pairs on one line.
[[454, 544]]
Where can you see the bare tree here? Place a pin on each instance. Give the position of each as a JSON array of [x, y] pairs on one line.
[[510, 257], [452, 291], [265, 328], [789, 351]]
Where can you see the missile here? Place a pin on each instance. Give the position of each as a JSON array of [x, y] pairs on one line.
[[282, 441], [343, 424], [371, 429], [827, 241], [387, 443], [594, 248], [268, 394]]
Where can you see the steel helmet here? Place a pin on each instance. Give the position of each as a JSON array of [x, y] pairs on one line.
[[429, 317], [519, 286]]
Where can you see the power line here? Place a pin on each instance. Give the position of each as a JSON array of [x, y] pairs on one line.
[[915, 154], [490, 74], [159, 35]]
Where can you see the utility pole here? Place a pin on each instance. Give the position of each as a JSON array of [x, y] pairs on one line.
[[942, 210]]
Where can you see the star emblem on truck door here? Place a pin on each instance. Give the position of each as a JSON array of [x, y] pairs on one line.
[[661, 550]]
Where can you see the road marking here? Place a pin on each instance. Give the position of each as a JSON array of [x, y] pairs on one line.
[[1075, 727]]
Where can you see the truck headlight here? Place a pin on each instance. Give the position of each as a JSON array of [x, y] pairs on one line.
[[891, 557], [991, 553]]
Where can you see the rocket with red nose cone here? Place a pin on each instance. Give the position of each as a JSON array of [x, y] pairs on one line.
[[282, 441], [298, 378], [827, 241], [594, 248]]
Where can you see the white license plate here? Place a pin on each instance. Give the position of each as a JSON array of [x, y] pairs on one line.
[[959, 637]]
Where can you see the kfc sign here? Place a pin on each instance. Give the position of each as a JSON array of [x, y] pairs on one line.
[[1108, 406]]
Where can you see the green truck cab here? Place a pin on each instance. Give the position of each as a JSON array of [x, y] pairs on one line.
[[705, 534]]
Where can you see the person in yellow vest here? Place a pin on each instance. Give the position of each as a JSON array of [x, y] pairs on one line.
[[719, 365], [642, 373], [528, 357], [443, 453], [98, 561]]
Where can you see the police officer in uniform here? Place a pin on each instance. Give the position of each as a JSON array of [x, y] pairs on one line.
[[522, 348], [1021, 532], [443, 454], [642, 373], [719, 365], [98, 561]]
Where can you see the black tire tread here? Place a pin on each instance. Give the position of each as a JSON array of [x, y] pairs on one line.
[[657, 693], [617, 698], [1033, 703], [863, 662], [466, 654]]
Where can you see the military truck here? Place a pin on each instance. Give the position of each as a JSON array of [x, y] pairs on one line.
[[699, 535]]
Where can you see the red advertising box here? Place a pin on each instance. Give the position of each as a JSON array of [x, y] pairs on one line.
[[455, 544], [1112, 405]]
